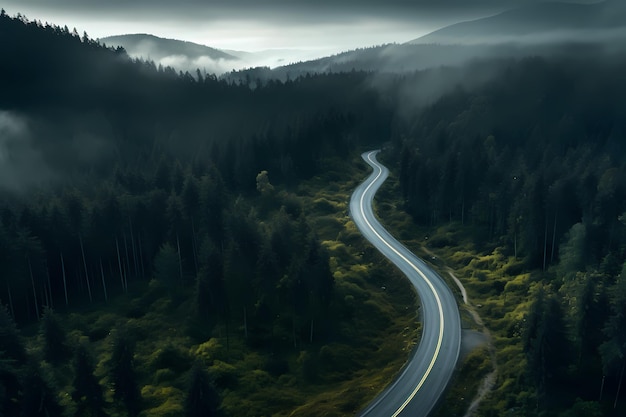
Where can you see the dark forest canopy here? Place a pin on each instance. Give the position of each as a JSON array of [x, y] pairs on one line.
[[115, 172]]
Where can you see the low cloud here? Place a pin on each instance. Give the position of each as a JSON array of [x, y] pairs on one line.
[[22, 166], [203, 63]]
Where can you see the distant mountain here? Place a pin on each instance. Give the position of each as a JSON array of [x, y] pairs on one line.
[[189, 56], [538, 22], [395, 58], [182, 55], [158, 48]]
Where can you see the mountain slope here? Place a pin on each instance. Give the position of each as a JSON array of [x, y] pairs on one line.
[[182, 55], [154, 47], [533, 23]]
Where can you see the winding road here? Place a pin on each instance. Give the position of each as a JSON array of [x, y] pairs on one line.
[[418, 387]]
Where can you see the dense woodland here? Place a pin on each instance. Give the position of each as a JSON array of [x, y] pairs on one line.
[[140, 174], [533, 162]]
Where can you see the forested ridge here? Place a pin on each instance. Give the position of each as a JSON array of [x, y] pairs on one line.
[[532, 164], [220, 204], [158, 196]]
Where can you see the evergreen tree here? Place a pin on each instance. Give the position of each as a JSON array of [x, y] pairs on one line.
[[210, 290], [10, 386], [87, 393], [545, 343], [10, 339], [55, 348], [202, 399], [167, 265], [122, 371], [613, 350], [38, 399]]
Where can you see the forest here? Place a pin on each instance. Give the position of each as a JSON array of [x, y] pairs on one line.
[[162, 196]]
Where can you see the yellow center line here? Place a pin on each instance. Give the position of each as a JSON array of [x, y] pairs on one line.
[[441, 318]]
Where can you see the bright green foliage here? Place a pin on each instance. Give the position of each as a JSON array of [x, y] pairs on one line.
[[572, 252]]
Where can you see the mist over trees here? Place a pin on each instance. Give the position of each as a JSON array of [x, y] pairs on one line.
[[532, 162], [138, 174]]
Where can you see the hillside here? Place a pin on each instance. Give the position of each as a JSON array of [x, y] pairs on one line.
[[168, 237], [519, 185], [184, 56], [537, 23], [153, 247], [155, 48]]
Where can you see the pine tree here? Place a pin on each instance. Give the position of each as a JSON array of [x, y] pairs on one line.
[[55, 348], [10, 386], [87, 393], [10, 339], [122, 370], [202, 399], [38, 399]]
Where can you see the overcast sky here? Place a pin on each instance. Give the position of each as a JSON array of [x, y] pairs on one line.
[[251, 25]]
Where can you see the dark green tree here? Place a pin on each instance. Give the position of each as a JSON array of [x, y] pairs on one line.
[[613, 350], [55, 348], [10, 386], [210, 291], [545, 344], [87, 393], [167, 265], [11, 342], [202, 398], [38, 398], [122, 372]]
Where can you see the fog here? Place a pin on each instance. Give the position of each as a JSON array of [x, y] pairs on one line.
[[21, 164], [248, 25], [548, 37]]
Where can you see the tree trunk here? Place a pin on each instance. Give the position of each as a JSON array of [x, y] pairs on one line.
[[545, 244], [45, 295], [245, 322], [85, 265], [49, 285], [180, 259], [132, 244], [143, 271], [553, 239], [32, 280], [11, 301], [311, 334], [194, 245], [463, 211], [602, 388], [127, 258], [64, 279], [619, 386], [104, 285], [119, 263]]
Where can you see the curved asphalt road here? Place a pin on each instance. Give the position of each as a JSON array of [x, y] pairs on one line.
[[424, 377]]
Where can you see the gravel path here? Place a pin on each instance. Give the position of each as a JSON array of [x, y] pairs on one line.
[[471, 339]]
